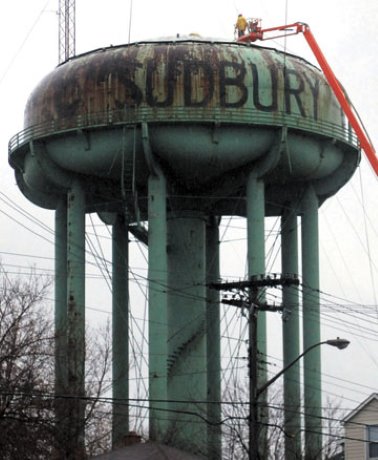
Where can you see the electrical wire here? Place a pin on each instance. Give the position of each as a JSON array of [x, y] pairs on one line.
[[23, 43], [368, 242]]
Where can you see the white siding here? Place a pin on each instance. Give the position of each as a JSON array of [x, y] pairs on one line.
[[355, 431]]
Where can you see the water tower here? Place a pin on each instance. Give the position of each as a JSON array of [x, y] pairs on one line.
[[178, 133]]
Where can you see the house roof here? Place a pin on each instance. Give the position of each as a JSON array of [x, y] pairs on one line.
[[147, 451], [360, 407]]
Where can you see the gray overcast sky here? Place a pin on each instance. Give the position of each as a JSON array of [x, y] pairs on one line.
[[347, 33]]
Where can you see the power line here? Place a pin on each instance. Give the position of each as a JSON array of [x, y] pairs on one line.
[[24, 41]]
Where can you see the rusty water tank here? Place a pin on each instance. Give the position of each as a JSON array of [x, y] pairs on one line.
[[210, 109]]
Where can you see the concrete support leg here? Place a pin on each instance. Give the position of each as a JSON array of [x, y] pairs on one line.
[[120, 331], [311, 326], [76, 320], [290, 335], [187, 365], [158, 306], [256, 266], [213, 341], [61, 321]]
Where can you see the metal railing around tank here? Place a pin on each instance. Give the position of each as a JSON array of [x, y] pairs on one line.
[[249, 117]]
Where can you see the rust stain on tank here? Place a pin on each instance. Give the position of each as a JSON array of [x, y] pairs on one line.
[[173, 80]]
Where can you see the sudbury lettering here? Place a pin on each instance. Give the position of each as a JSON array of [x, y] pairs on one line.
[[235, 84], [179, 81]]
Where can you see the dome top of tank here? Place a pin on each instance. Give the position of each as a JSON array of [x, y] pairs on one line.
[[192, 37], [234, 82]]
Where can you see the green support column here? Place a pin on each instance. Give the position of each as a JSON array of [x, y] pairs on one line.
[[61, 319], [290, 335], [187, 366], [256, 251], [256, 266], [311, 326], [120, 329], [213, 341], [157, 299], [76, 320]]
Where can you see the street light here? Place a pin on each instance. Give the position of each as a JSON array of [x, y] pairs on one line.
[[339, 343]]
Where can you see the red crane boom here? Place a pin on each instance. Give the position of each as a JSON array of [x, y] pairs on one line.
[[257, 33]]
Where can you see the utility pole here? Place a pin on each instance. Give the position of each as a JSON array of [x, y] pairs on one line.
[[67, 29], [248, 293], [253, 379]]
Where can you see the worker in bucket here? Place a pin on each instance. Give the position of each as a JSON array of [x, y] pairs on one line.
[[241, 25]]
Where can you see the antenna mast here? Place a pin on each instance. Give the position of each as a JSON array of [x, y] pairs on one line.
[[67, 29]]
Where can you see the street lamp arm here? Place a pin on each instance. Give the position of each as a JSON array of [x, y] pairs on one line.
[[339, 343], [282, 371]]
